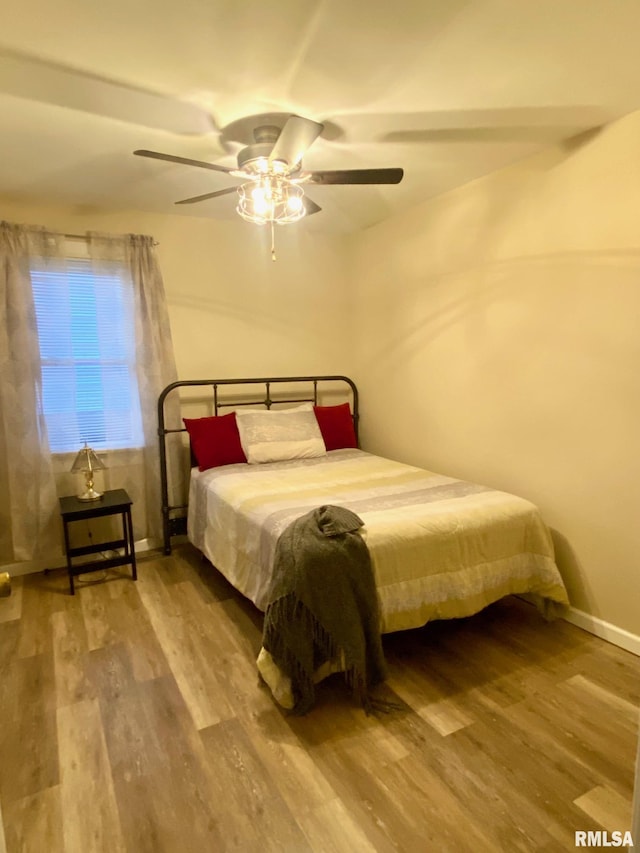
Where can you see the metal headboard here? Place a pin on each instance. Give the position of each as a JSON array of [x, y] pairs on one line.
[[174, 515]]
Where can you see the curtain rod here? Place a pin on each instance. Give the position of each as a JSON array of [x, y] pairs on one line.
[[34, 229], [84, 237]]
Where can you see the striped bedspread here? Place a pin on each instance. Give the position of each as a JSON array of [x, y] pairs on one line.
[[440, 547]]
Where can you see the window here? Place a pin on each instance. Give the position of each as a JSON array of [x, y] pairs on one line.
[[87, 351]]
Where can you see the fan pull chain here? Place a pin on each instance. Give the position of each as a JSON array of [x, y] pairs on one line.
[[273, 243]]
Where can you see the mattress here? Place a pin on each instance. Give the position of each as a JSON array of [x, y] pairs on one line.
[[440, 547]]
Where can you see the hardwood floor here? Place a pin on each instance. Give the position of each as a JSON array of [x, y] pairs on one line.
[[132, 720]]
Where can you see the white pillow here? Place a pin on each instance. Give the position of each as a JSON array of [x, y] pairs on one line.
[[274, 436]]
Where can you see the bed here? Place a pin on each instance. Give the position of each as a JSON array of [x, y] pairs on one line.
[[440, 547]]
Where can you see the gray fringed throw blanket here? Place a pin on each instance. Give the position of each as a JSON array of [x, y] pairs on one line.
[[323, 604]]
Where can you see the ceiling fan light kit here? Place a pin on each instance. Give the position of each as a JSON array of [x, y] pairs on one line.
[[271, 170], [271, 199]]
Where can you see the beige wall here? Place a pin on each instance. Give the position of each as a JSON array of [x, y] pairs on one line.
[[233, 311], [498, 339]]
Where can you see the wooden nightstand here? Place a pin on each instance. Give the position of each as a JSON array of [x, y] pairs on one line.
[[111, 503]]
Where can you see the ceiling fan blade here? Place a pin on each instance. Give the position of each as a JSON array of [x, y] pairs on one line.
[[206, 196], [171, 158], [295, 139], [34, 79], [310, 206], [357, 176]]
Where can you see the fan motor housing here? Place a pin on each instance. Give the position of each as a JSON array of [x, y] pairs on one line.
[[255, 158]]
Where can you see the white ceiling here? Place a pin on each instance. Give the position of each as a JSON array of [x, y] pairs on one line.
[[447, 89]]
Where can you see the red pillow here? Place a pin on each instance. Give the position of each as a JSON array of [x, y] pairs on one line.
[[215, 441], [336, 426]]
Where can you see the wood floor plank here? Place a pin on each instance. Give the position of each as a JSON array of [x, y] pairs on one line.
[[607, 808], [42, 595], [70, 657], [329, 827], [10, 633], [186, 633], [444, 715], [161, 774], [248, 805], [604, 750], [90, 817], [606, 666], [35, 824], [11, 607], [210, 585], [133, 623], [390, 802], [300, 782], [470, 779], [605, 698], [111, 671], [28, 739], [100, 617], [336, 735], [520, 778], [372, 745], [492, 674], [121, 614], [510, 733]]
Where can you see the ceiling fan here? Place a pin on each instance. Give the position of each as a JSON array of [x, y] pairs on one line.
[[270, 168]]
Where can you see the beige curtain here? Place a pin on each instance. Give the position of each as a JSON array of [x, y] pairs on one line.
[[30, 477], [29, 522], [139, 472]]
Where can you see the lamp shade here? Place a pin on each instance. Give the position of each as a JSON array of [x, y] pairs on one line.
[[87, 461]]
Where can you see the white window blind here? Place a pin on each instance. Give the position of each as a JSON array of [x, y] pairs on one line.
[[87, 351]]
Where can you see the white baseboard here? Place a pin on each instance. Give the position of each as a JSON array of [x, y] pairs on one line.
[[31, 567], [604, 630]]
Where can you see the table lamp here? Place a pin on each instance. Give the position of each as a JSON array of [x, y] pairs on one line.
[[87, 461]]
